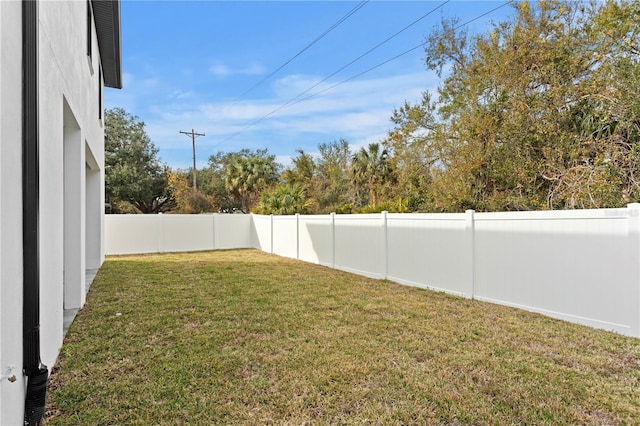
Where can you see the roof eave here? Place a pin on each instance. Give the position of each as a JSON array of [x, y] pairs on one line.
[[107, 17]]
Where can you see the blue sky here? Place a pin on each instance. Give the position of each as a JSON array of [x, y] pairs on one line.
[[190, 65]]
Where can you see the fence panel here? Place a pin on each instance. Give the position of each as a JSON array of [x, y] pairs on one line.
[[359, 244], [261, 233], [316, 239], [232, 231], [182, 232], [130, 234], [573, 265], [285, 236], [430, 250]]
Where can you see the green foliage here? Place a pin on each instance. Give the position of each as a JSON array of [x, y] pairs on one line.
[[325, 179], [332, 190], [211, 180], [284, 200], [123, 207], [399, 205], [303, 171], [370, 171], [135, 180], [413, 153], [248, 174], [540, 112], [188, 200], [304, 174]]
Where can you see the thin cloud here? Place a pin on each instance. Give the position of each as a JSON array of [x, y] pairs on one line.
[[357, 111], [220, 69], [181, 94]]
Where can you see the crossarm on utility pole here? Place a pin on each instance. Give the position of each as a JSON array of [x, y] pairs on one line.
[[193, 135]]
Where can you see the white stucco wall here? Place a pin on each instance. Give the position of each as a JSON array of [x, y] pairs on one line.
[[71, 154], [11, 394]]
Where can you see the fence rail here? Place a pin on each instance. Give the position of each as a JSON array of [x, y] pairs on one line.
[[579, 265]]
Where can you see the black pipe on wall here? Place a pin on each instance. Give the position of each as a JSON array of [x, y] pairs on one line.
[[36, 372]]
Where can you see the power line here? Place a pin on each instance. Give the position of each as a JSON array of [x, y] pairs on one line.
[[317, 39], [364, 54], [295, 100], [292, 101], [397, 56]]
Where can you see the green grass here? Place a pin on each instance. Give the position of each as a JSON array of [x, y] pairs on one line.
[[243, 337]]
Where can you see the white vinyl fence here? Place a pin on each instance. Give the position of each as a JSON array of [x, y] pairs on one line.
[[136, 233], [578, 265]]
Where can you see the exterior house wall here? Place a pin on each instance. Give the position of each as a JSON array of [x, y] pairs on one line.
[[11, 394], [71, 159]]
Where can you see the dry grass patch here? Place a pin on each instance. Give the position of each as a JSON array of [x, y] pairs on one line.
[[243, 337]]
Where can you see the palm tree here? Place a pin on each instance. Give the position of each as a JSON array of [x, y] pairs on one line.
[[370, 169], [247, 177], [284, 200]]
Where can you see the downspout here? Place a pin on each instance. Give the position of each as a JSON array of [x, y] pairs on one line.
[[36, 372]]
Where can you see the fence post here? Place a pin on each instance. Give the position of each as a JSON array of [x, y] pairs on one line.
[[385, 257], [271, 233], [160, 232], [298, 236], [633, 227], [332, 217], [470, 230]]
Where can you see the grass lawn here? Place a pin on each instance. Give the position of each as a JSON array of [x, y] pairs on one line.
[[244, 337]]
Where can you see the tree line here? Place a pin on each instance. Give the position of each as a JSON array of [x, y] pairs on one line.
[[540, 112]]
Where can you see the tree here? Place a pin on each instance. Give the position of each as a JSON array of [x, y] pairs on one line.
[[249, 175], [186, 199], [134, 175], [541, 112], [333, 191], [284, 200], [211, 179], [303, 170], [371, 170], [413, 154], [304, 174]]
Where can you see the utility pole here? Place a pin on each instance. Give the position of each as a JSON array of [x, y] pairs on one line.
[[193, 135]]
